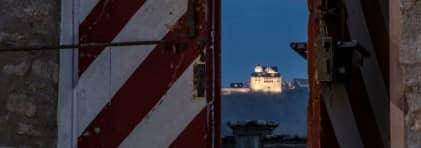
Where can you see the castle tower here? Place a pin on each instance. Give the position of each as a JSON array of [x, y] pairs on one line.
[[266, 79]]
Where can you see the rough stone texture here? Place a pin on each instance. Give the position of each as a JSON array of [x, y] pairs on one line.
[[19, 69], [28, 80], [18, 103], [410, 59]]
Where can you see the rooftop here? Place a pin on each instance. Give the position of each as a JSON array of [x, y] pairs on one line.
[[266, 71]]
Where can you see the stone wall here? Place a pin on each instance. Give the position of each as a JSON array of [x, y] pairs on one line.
[[28, 80], [410, 59]]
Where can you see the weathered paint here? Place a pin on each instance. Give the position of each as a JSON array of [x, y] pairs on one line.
[[67, 77], [112, 68], [123, 93], [171, 64], [176, 108], [314, 108]]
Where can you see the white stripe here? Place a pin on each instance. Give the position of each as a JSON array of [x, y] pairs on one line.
[[162, 125], [340, 113], [371, 72], [86, 7], [397, 116], [65, 112], [111, 69]]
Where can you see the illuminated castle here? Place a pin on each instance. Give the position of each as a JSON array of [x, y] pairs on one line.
[[266, 79]]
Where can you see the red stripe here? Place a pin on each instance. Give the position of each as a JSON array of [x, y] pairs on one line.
[[194, 135], [103, 24], [140, 93]]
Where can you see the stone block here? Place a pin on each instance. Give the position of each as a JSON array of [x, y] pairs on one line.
[[28, 130], [21, 104], [47, 70], [28, 80], [16, 69], [411, 32], [410, 59]]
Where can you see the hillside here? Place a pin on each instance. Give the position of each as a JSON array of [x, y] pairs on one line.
[[289, 109]]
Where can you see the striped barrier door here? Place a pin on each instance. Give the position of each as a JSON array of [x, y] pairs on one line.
[[155, 95]]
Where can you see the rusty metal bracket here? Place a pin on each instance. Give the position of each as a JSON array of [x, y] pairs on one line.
[[325, 60]]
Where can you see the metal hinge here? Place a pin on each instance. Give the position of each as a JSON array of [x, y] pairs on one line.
[[335, 59], [199, 80]]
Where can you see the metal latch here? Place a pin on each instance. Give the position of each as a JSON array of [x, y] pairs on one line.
[[199, 80], [335, 59]]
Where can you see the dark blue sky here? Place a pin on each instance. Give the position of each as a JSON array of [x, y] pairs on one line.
[[259, 32]]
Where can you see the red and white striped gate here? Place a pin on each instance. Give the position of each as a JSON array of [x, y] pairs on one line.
[[156, 95]]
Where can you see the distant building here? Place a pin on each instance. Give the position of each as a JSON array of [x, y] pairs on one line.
[[288, 86], [237, 85], [300, 83], [266, 79], [235, 88], [258, 134]]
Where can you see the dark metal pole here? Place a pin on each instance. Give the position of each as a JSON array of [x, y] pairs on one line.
[[83, 45]]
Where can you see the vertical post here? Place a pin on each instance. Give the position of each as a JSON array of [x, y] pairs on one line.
[[67, 75], [397, 117], [314, 106], [217, 73], [213, 62]]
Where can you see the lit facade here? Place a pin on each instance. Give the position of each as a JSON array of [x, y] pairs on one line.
[[266, 79]]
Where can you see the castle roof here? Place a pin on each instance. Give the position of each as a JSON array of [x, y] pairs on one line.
[[263, 74], [265, 71]]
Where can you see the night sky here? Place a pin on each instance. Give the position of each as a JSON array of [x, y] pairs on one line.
[[259, 32]]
